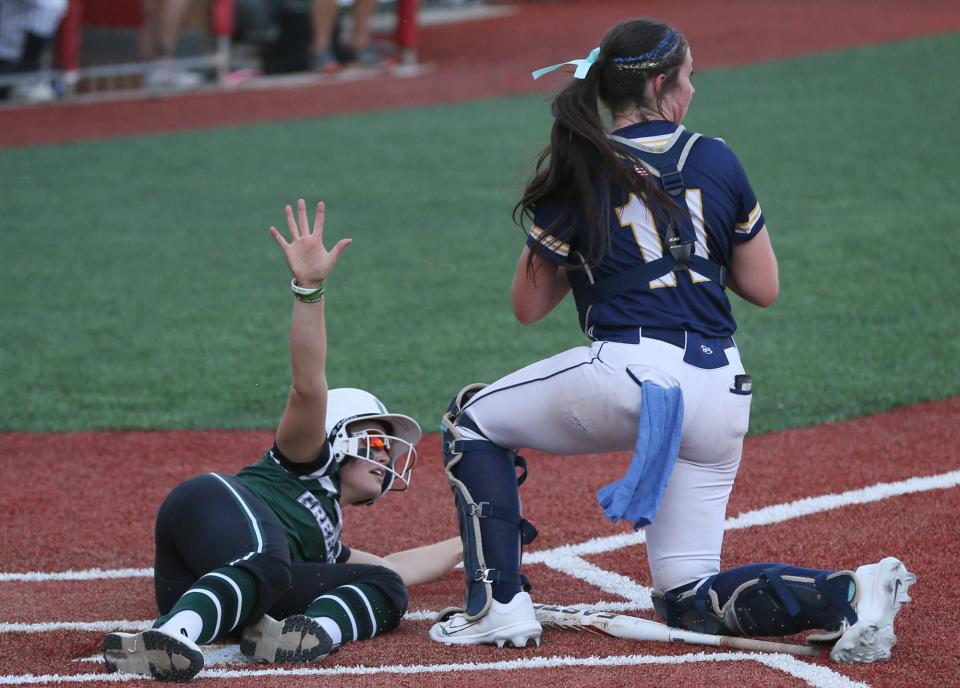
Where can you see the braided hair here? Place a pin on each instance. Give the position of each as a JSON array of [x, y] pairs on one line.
[[579, 166]]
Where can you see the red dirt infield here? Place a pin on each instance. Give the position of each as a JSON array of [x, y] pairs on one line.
[[116, 480]]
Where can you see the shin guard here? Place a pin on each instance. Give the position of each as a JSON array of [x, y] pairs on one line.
[[762, 600], [480, 571]]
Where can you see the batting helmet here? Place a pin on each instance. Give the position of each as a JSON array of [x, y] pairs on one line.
[[401, 433]]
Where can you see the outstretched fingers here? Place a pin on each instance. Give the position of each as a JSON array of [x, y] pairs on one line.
[[318, 220], [292, 222], [279, 238], [339, 248], [302, 213], [307, 257]]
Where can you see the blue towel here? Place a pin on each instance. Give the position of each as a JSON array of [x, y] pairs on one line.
[[636, 497]]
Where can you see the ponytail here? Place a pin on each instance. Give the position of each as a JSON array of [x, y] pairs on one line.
[[580, 167]]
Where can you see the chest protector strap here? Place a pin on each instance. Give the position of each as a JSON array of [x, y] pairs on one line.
[[667, 167]]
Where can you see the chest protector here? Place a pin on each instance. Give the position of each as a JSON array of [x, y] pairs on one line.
[[666, 165]]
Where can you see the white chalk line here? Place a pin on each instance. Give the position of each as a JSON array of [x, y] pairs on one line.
[[83, 575], [87, 626], [814, 675], [108, 626], [764, 516], [125, 625], [568, 558], [565, 558], [213, 655], [608, 581]]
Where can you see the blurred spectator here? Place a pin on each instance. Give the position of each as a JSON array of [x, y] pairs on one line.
[[307, 35], [26, 29], [327, 57], [162, 23]]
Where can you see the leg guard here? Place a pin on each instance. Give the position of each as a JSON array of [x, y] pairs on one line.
[[761, 600], [480, 574]]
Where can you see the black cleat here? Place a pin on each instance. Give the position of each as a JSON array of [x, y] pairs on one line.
[[156, 653], [294, 639]]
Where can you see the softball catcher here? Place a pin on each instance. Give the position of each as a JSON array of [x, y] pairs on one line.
[[647, 224]]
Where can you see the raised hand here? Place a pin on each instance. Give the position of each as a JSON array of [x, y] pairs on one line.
[[309, 260]]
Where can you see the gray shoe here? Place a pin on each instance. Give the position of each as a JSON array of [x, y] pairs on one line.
[[164, 75], [325, 62], [294, 639], [156, 653], [881, 589], [370, 56]]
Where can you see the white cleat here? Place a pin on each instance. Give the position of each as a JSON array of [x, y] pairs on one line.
[[520, 640], [514, 623], [881, 589], [156, 653]]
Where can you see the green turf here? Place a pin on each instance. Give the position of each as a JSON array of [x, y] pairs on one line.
[[139, 287]]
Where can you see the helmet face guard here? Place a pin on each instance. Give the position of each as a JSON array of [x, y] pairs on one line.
[[362, 444], [397, 435]]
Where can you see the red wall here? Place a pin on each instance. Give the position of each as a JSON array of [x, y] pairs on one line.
[[112, 12]]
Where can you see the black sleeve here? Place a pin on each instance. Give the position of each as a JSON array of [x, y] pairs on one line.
[[342, 555], [299, 468]]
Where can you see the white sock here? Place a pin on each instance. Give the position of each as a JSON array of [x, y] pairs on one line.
[[332, 629], [186, 623]]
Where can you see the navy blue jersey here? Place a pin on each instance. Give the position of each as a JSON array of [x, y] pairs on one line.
[[724, 210]]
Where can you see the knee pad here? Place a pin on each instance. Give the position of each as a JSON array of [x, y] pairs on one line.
[[479, 577], [772, 600]]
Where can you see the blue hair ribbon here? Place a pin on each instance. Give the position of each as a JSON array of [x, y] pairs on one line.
[[583, 66]]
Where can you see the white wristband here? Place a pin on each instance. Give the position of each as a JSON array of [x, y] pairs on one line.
[[304, 291], [307, 294]]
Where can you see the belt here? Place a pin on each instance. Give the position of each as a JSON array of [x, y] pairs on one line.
[[632, 335]]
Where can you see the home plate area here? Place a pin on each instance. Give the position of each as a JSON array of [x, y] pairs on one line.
[[61, 592]]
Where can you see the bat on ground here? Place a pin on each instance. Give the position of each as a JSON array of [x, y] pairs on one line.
[[635, 628]]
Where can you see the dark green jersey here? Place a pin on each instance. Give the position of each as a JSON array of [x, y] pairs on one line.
[[308, 505]]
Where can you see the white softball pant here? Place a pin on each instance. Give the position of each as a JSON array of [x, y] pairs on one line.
[[586, 400]]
